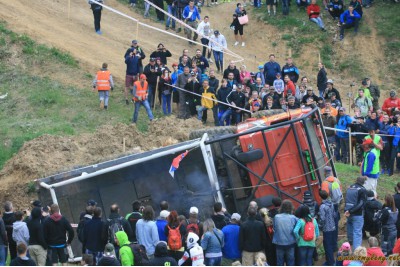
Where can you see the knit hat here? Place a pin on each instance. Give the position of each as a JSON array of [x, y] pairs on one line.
[[109, 250], [345, 246], [392, 93], [36, 203]]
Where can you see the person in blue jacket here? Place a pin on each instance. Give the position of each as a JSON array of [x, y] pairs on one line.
[[343, 123], [191, 15], [231, 250], [349, 19], [394, 130]]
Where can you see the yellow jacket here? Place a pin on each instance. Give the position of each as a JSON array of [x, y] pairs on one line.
[[206, 102]]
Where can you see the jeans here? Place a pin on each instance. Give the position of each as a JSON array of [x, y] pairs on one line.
[[226, 121], [151, 94], [306, 256], [146, 9], [104, 95], [228, 113], [146, 105], [354, 230], [349, 25], [97, 18], [171, 11], [166, 103], [216, 261], [320, 24], [192, 24], [344, 149], [3, 255], [285, 7], [219, 59], [96, 255], [393, 157], [283, 255], [336, 234], [329, 247], [202, 114], [205, 42], [388, 241], [160, 14]]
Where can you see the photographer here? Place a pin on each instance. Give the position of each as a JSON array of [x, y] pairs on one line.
[[161, 53], [193, 85], [330, 89], [359, 126], [132, 70]]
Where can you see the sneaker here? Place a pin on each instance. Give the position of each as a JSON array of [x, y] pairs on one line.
[[274, 13], [341, 37], [105, 107], [210, 60], [99, 32], [323, 29], [101, 104], [236, 43], [166, 28], [243, 44], [269, 13], [126, 101], [178, 30]]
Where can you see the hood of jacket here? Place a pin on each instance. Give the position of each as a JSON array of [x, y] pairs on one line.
[[161, 250], [122, 238], [36, 213], [18, 225], [56, 217]]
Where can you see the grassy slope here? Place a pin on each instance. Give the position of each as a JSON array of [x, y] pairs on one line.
[[37, 104]]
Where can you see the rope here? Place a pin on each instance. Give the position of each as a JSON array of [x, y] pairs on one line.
[[160, 30], [356, 133]]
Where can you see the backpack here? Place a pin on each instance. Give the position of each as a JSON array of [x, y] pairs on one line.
[[352, 197], [193, 228], [139, 254], [335, 192], [174, 238], [270, 231], [115, 225], [309, 230], [133, 218]]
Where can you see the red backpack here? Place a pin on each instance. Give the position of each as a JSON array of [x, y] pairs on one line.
[[174, 238], [193, 228], [309, 230]]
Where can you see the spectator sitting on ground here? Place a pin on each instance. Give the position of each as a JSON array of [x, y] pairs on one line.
[[358, 255], [349, 19], [313, 12], [374, 251], [344, 251], [22, 259], [335, 8]]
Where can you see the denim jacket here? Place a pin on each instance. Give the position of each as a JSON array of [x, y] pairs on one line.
[[283, 225]]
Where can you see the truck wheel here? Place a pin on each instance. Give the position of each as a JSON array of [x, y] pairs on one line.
[[212, 132]]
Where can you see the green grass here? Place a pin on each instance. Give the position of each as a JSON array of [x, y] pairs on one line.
[[38, 105]]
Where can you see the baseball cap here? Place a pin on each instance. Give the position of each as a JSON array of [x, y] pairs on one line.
[[36, 203], [330, 81], [216, 32], [142, 76], [342, 109], [109, 249], [368, 141], [152, 59], [194, 210], [91, 202], [134, 41], [260, 67], [236, 217], [164, 213]]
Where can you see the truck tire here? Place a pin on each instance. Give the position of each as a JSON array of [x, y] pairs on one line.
[[212, 132], [266, 113]]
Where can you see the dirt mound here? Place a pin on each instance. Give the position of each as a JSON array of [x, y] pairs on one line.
[[47, 155]]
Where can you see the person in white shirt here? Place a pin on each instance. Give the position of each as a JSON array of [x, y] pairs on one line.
[[218, 44], [205, 31]]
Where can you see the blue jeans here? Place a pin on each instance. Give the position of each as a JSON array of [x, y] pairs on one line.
[[227, 119], [103, 96], [166, 102], [212, 261], [354, 230], [96, 255], [306, 256], [171, 11], [3, 255], [146, 9], [227, 114], [329, 247], [146, 105], [219, 59], [151, 95], [285, 7], [320, 24], [388, 239], [284, 255], [337, 219]]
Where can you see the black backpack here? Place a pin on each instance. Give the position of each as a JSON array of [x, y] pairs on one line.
[[133, 218], [115, 225], [139, 254]]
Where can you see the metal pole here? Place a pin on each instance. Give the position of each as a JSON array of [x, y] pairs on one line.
[[350, 149]]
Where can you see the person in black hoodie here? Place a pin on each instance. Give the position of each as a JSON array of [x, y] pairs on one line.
[[161, 257], [161, 53], [37, 243], [232, 69], [96, 14], [220, 217], [56, 228], [371, 207], [213, 82], [152, 71], [95, 235], [3, 243], [321, 79], [22, 259], [9, 219], [193, 85]]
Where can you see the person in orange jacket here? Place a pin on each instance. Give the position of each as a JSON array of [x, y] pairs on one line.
[[140, 94], [103, 82]]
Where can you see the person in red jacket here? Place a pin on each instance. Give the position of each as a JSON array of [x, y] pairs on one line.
[[391, 104], [375, 252], [289, 85], [313, 11]]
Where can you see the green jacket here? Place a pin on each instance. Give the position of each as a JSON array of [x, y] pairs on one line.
[[125, 252], [299, 230]]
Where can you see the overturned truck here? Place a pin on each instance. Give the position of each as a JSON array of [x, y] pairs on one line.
[[280, 154]]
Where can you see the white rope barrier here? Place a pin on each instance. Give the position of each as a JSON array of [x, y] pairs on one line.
[[355, 133]]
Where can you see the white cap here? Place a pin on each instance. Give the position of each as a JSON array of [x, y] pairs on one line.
[[194, 210], [236, 216], [164, 213]]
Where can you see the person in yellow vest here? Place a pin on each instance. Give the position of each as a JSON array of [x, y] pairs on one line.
[[103, 82], [140, 94], [370, 166], [208, 101]]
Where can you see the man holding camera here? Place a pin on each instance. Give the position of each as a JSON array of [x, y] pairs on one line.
[[161, 53], [132, 71], [152, 71]]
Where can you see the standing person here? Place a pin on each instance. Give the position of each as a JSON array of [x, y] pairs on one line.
[[370, 165], [140, 52], [140, 97], [3, 243], [391, 104], [213, 81], [384, 128], [356, 197], [217, 45], [285, 7], [330, 90], [205, 31], [162, 53], [146, 232], [193, 86], [220, 217], [375, 93], [22, 259], [232, 69], [181, 4], [133, 217], [58, 233], [103, 82], [161, 223], [207, 102], [236, 26], [222, 94], [313, 11], [306, 232], [171, 8], [321, 79], [342, 147], [161, 257], [37, 243], [160, 14], [284, 238], [396, 198], [372, 206], [166, 92], [272, 3], [20, 229], [95, 236], [174, 79], [349, 19], [212, 244], [388, 220], [124, 252], [231, 231], [363, 102], [9, 219], [152, 72], [96, 14], [270, 248], [252, 238], [395, 131], [237, 99], [115, 223], [200, 62], [193, 255], [271, 69], [191, 15], [181, 83], [132, 71], [175, 233], [327, 217], [291, 70]]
